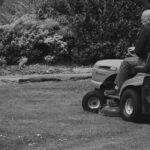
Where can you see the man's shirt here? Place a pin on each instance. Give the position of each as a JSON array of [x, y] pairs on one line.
[[142, 47]]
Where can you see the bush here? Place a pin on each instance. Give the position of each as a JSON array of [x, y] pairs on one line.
[[31, 38], [105, 29], [102, 28], [92, 29], [10, 10]]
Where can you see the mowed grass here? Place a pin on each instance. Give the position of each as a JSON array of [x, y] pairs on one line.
[[49, 116]]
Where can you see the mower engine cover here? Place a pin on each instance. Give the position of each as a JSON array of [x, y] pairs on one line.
[[104, 69]]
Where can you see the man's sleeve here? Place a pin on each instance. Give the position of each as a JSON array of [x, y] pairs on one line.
[[141, 42]]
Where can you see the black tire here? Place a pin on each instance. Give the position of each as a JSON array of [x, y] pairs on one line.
[[131, 105], [95, 98]]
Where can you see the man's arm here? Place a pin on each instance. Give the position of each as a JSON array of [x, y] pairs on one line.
[[145, 68], [141, 42]]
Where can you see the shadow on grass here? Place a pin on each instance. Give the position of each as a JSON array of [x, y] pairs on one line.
[[145, 119]]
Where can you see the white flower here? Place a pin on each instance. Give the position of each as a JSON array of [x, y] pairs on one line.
[[38, 135], [49, 40]]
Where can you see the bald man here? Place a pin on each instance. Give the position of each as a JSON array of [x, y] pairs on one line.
[[142, 50], [142, 47]]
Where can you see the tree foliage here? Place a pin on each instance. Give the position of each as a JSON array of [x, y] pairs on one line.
[[31, 38], [103, 28], [93, 29]]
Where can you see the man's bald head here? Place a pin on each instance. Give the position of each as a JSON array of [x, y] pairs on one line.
[[145, 17]]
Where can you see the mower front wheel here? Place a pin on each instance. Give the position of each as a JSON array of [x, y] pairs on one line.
[[93, 101]]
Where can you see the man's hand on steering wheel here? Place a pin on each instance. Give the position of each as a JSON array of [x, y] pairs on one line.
[[131, 51]]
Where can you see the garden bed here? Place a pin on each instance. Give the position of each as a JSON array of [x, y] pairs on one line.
[[44, 69]]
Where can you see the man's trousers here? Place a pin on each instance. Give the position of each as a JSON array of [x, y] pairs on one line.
[[126, 69]]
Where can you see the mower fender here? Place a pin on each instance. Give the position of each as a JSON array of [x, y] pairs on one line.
[[136, 81], [99, 84], [96, 84]]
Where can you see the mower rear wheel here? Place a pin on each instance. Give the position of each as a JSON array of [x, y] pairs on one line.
[[93, 101], [131, 105]]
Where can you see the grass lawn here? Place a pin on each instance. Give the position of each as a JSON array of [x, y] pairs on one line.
[[49, 116]]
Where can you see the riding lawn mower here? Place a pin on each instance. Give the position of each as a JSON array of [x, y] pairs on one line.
[[133, 100]]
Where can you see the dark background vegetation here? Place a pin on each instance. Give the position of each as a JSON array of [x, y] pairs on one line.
[[92, 29]]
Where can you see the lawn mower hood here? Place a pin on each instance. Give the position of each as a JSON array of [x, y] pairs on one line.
[[112, 64]]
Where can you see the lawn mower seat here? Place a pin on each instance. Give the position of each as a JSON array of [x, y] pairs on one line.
[[145, 68]]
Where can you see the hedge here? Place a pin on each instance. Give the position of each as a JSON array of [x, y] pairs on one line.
[[87, 31]]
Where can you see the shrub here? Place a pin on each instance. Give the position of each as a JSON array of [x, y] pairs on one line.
[[92, 29], [31, 38], [10, 10], [58, 46], [49, 59], [2, 62], [102, 28]]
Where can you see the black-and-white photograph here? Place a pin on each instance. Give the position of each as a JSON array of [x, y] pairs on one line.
[[74, 74]]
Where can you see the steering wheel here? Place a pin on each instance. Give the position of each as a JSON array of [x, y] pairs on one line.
[[131, 51]]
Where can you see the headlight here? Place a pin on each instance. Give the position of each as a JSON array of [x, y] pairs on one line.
[[113, 68]]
